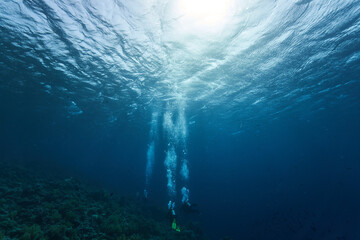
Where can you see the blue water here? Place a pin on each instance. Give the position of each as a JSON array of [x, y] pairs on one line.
[[252, 106]]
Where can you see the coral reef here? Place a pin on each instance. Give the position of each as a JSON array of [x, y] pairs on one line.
[[35, 207]]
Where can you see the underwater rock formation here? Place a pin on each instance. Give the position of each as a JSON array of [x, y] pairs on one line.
[[35, 207]]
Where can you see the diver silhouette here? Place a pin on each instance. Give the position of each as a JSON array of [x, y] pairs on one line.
[[188, 208]]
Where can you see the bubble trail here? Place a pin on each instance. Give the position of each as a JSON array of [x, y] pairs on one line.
[[175, 126], [150, 155], [170, 164]]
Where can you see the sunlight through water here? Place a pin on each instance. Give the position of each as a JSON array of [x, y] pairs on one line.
[[179, 80], [205, 15]]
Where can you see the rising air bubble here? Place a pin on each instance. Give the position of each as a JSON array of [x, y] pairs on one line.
[[170, 164], [150, 155]]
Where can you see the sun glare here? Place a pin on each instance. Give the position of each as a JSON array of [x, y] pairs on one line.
[[205, 13]]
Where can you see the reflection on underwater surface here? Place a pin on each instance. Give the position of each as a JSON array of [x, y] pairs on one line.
[[251, 107]]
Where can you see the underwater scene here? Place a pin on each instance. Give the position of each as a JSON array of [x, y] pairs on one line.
[[179, 119]]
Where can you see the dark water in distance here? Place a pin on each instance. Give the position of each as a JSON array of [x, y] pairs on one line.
[[265, 107]]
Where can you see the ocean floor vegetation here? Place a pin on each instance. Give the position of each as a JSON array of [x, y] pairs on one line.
[[35, 207]]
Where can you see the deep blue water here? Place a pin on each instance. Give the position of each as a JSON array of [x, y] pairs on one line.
[[260, 102]]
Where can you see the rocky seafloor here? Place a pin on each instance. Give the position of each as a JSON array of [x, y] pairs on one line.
[[35, 207]]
